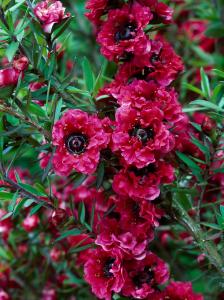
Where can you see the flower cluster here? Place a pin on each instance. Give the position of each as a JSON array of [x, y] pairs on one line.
[[108, 200], [146, 126]]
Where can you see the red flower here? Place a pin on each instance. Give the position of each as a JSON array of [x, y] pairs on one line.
[[113, 236], [44, 158], [144, 275], [195, 31], [161, 64], [104, 272], [56, 254], [98, 8], [122, 34], [141, 136], [4, 295], [30, 223], [10, 76], [79, 137], [49, 293], [20, 63], [80, 241], [143, 183], [50, 12], [128, 225], [138, 217], [180, 291], [6, 225], [35, 86], [139, 93], [161, 10]]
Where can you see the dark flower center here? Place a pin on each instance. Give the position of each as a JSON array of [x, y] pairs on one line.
[[107, 267], [126, 57], [113, 4], [151, 168], [143, 134], [144, 277], [126, 32], [154, 58], [144, 73], [76, 143]]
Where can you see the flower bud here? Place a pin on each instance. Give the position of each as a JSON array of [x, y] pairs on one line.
[[30, 223], [58, 217], [208, 125], [50, 13], [21, 63]]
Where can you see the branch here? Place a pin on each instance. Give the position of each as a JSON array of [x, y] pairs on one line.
[[207, 247], [15, 186], [8, 110]]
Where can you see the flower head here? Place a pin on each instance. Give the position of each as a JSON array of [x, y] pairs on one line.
[[141, 136], [143, 276], [78, 138], [143, 183], [122, 33], [161, 65], [104, 272], [181, 290], [50, 12]]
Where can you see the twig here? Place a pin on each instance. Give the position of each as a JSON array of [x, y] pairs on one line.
[[207, 247], [8, 110], [25, 193]]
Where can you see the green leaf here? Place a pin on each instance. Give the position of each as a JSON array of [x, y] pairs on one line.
[[206, 57], [72, 232], [215, 30], [58, 110], [99, 80], [218, 73], [16, 6], [32, 190], [191, 164], [220, 170], [100, 175], [13, 202], [36, 110], [193, 88], [59, 28], [18, 207], [222, 210], [88, 74], [211, 225], [206, 104], [92, 215], [73, 279], [200, 146], [5, 254], [82, 212], [6, 216], [6, 196], [79, 249], [74, 90], [6, 92], [218, 93], [79, 179], [11, 50], [205, 86], [36, 208], [184, 200], [220, 220]]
